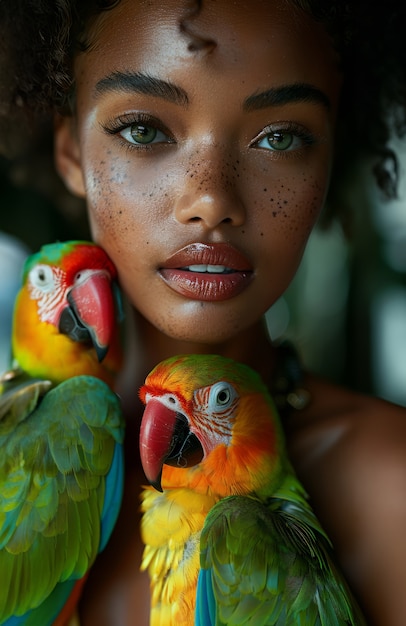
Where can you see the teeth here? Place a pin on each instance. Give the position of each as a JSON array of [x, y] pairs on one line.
[[211, 269]]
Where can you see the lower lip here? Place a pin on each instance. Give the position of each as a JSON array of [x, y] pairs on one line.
[[206, 287]]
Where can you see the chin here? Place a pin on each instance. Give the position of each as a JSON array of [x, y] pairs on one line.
[[208, 329]]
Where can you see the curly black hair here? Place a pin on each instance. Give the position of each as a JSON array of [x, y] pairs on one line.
[[39, 39]]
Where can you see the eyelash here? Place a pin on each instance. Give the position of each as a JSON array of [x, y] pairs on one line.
[[118, 125], [286, 128]]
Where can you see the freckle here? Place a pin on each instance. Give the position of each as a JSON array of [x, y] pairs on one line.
[[265, 189]]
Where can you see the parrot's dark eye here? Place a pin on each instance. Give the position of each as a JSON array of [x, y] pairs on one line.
[[42, 277], [222, 395]]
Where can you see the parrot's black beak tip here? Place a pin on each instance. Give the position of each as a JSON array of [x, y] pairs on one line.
[[101, 351], [156, 484]]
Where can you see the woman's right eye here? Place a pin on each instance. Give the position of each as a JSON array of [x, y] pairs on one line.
[[138, 130], [143, 134]]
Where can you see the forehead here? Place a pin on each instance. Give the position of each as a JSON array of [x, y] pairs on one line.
[[267, 39]]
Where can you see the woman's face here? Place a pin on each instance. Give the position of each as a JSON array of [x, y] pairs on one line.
[[204, 166]]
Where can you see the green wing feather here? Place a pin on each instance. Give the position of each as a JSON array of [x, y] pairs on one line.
[[270, 563], [19, 395], [53, 465]]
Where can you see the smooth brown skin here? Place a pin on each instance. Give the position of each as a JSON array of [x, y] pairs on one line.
[[217, 180]]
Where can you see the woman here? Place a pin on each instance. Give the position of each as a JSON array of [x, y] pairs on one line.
[[203, 140]]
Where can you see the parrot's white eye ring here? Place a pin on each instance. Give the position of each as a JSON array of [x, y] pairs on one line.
[[222, 396], [42, 277]]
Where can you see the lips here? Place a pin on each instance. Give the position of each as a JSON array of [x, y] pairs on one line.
[[207, 272]]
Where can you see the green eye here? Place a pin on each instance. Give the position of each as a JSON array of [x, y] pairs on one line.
[[281, 139], [277, 140], [140, 133]]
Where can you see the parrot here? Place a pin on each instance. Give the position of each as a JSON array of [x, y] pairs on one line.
[[61, 432], [230, 538], [65, 314]]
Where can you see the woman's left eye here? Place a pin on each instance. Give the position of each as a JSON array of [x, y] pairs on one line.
[[283, 140], [143, 134]]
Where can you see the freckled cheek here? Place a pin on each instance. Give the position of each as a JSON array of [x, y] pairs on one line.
[[286, 210], [290, 209], [123, 203]]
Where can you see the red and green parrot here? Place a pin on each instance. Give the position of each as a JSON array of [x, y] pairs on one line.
[[61, 433], [66, 312], [230, 538]]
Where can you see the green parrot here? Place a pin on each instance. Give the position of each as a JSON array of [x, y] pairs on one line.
[[61, 433], [230, 537]]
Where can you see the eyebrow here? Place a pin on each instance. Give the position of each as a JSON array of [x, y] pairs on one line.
[[138, 82], [286, 94]]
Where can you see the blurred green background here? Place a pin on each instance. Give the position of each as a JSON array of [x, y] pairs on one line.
[[345, 311]]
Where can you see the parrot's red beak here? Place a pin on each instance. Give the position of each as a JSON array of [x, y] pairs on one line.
[[165, 437], [91, 314]]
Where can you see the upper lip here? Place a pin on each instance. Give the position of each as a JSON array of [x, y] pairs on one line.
[[208, 254]]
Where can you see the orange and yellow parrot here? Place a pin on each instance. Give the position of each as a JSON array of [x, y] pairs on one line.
[[61, 433], [230, 539]]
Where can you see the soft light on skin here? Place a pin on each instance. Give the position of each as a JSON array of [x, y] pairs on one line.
[[209, 176]]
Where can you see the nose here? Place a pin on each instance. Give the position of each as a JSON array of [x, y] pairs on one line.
[[210, 194]]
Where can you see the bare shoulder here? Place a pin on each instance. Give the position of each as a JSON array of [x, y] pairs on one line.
[[340, 421], [350, 452]]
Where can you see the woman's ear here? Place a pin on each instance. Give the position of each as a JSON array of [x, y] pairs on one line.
[[67, 155]]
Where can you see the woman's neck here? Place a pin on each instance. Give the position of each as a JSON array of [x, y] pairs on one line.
[[146, 346]]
